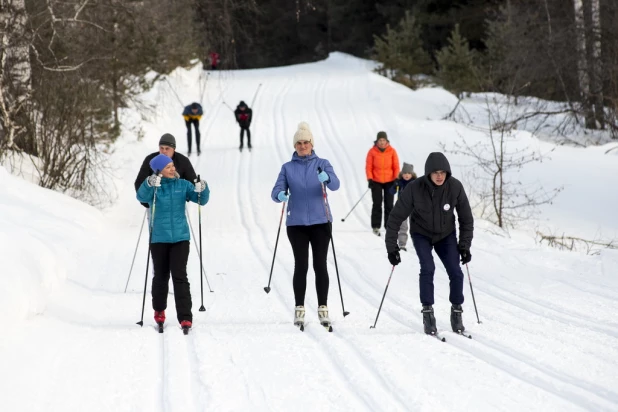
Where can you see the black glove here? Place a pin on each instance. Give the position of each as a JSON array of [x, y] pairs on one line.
[[394, 258], [464, 252], [370, 183]]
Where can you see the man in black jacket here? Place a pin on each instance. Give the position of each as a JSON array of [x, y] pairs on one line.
[[244, 115], [167, 146], [430, 202]]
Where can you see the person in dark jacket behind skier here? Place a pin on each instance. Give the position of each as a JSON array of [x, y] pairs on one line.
[[170, 235], [406, 176], [308, 218], [430, 202], [244, 115], [167, 146], [193, 114]]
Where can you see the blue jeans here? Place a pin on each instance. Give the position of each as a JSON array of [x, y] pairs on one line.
[[447, 251]]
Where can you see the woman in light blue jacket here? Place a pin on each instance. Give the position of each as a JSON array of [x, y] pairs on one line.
[[308, 218], [170, 235]]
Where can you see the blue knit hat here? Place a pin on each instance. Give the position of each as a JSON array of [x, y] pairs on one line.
[[159, 162]]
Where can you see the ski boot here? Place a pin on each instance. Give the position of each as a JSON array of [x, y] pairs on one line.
[[403, 248], [299, 317], [185, 325], [456, 320], [429, 321], [324, 319], [159, 317], [376, 231]]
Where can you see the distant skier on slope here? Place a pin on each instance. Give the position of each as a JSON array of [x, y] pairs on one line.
[[244, 115], [170, 235], [307, 221], [406, 176], [430, 202], [193, 114], [381, 168]]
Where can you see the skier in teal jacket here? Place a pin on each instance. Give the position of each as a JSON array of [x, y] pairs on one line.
[[167, 194]]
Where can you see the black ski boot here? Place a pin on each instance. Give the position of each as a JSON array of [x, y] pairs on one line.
[[456, 320], [429, 321]]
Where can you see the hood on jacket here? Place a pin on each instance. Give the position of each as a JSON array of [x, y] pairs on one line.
[[437, 161], [242, 104]]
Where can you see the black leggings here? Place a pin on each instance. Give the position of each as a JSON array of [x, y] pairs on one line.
[[196, 125], [172, 257], [376, 196], [242, 135], [300, 237]]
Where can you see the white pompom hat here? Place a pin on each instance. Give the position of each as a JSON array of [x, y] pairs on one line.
[[303, 134]]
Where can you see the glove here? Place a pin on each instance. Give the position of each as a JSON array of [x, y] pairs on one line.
[[323, 177], [370, 183], [200, 185], [154, 180], [394, 258], [464, 252], [282, 196]]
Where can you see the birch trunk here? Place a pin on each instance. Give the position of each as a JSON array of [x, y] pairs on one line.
[[15, 71], [582, 64]]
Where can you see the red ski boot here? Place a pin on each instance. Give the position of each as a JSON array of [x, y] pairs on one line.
[[159, 317], [185, 325]]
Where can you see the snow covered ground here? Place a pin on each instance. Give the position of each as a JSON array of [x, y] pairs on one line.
[[549, 333]]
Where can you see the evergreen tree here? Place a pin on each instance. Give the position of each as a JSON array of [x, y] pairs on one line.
[[457, 69], [400, 51]]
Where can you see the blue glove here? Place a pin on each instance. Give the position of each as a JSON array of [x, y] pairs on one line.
[[282, 196], [323, 177]]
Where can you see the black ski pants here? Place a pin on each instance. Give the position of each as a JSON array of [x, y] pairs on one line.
[[196, 125], [242, 135], [447, 251], [376, 195], [319, 237], [166, 258]]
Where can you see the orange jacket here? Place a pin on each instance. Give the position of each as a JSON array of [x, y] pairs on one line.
[[382, 167]]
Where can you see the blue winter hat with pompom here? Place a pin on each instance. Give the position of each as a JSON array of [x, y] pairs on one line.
[[159, 162]]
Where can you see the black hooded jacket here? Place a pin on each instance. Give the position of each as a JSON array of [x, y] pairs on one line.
[[183, 166], [431, 208], [243, 117]]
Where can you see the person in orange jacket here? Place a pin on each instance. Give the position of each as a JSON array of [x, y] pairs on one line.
[[382, 169]]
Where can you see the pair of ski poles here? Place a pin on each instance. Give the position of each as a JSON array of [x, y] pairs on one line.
[[330, 228], [151, 223]]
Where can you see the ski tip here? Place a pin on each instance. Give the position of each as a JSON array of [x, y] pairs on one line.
[[267, 289], [302, 328], [442, 340], [330, 328], [185, 331]]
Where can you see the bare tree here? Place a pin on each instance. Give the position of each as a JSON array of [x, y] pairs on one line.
[[502, 198], [15, 73]]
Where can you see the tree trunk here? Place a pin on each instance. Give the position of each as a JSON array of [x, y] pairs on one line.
[[593, 58], [15, 75], [582, 66]]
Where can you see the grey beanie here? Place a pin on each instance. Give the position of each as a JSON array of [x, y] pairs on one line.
[[407, 168], [167, 140]]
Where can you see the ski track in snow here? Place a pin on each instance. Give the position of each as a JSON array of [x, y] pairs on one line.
[[534, 351]]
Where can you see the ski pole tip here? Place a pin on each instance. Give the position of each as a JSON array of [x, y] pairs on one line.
[[140, 323], [202, 309], [343, 220], [345, 314], [267, 289]]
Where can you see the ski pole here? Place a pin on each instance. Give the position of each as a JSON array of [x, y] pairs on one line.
[[472, 290], [332, 241], [135, 253], [199, 214], [272, 265], [152, 215], [255, 95], [198, 251], [356, 204], [228, 106], [176, 94], [383, 296]]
